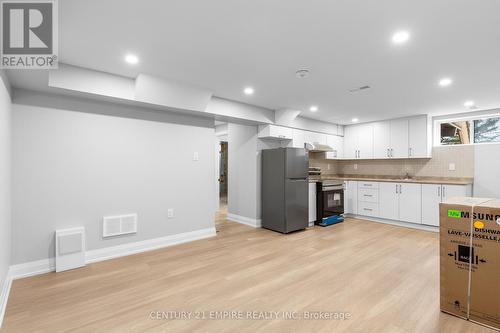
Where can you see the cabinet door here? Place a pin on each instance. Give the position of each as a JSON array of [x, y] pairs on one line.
[[417, 136], [350, 141], [298, 139], [314, 137], [431, 197], [410, 203], [449, 191], [381, 139], [365, 141], [339, 145], [336, 142], [351, 197], [312, 203], [389, 200], [399, 138]]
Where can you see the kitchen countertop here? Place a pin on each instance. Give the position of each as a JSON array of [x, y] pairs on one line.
[[396, 179]]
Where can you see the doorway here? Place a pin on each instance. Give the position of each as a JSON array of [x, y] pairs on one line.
[[223, 174]]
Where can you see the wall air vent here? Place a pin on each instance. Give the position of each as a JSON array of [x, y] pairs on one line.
[[359, 89], [119, 225]]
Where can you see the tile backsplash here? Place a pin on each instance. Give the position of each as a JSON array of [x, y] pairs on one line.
[[438, 166]]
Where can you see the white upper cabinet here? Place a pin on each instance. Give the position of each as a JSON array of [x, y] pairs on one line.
[[337, 143], [399, 138], [390, 139], [350, 142], [298, 138], [365, 141], [419, 138], [358, 141], [381, 139], [314, 137], [275, 132]]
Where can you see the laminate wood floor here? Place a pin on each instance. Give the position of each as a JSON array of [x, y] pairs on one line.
[[385, 277]]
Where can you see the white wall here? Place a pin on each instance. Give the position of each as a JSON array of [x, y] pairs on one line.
[[486, 166], [75, 161], [242, 170], [5, 183]]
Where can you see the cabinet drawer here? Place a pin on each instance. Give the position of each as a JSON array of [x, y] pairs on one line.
[[368, 209], [368, 195], [367, 184]]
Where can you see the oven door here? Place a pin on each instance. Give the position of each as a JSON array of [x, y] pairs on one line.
[[333, 201]]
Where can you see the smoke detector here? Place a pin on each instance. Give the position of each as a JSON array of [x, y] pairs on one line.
[[302, 73]]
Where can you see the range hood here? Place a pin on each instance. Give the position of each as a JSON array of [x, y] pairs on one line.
[[316, 147]]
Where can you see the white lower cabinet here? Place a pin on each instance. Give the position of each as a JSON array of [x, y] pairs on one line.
[[401, 201], [434, 194], [406, 202], [410, 203], [368, 199], [312, 203], [368, 208], [351, 197], [389, 201], [431, 197]]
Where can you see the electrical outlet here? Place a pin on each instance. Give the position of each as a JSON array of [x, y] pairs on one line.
[[196, 156], [451, 167], [355, 166], [170, 213]]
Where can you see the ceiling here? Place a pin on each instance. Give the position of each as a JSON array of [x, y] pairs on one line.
[[226, 45]]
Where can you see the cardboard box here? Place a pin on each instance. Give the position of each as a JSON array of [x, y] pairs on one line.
[[470, 259]]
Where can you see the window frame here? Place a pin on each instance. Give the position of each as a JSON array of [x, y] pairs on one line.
[[437, 129]]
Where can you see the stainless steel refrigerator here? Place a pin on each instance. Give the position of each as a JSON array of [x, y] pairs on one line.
[[285, 189]]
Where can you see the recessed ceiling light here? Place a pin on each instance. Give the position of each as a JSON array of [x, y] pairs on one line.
[[248, 91], [355, 120], [131, 59], [313, 108], [446, 81], [469, 104], [400, 37]]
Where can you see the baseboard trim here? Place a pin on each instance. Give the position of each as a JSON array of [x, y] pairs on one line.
[[396, 223], [48, 265], [147, 245], [255, 223], [4, 295]]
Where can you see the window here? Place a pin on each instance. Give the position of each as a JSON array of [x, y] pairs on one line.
[[462, 132], [487, 130]]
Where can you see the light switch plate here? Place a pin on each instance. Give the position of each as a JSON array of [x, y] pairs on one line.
[[196, 156], [451, 167], [170, 213]]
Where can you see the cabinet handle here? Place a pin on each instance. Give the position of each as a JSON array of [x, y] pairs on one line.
[[396, 188], [400, 188], [392, 152], [388, 152], [444, 193], [439, 191], [367, 195], [409, 152], [368, 209]]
